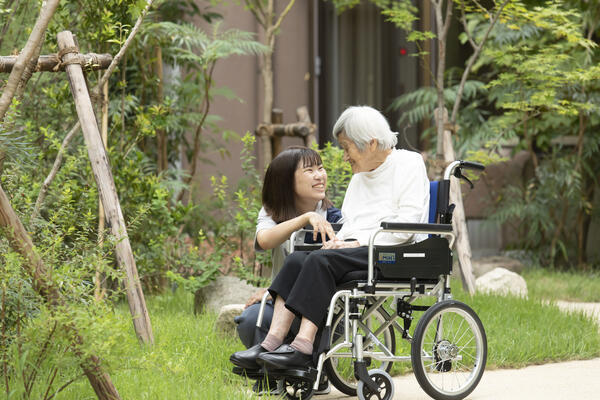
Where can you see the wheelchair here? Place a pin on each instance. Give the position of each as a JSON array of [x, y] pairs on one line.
[[357, 346]]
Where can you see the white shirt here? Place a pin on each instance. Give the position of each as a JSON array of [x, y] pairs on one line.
[[264, 221], [396, 191]]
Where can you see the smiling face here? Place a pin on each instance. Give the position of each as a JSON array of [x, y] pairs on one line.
[[310, 182], [360, 161]]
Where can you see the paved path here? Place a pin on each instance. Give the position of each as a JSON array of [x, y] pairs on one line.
[[573, 380]]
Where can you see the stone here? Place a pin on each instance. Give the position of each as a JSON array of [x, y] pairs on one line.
[[225, 323], [222, 291], [503, 282], [482, 266]]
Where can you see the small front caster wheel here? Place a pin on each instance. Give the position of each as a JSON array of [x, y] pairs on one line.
[[385, 386], [296, 389]]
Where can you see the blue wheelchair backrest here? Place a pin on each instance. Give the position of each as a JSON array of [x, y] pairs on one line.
[[440, 211], [433, 200]]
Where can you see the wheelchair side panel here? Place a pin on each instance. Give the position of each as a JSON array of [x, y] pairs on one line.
[[424, 260]]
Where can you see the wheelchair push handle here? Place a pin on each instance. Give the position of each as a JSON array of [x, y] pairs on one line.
[[455, 169], [472, 165]]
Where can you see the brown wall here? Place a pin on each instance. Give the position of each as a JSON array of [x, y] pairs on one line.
[[242, 75]]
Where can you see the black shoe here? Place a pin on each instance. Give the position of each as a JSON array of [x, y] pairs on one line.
[[285, 357], [247, 358]]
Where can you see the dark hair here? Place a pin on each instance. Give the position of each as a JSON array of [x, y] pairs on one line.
[[278, 187]]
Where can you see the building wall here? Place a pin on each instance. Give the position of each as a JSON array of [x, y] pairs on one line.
[[242, 75]]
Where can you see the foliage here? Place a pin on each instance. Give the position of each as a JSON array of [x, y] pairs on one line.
[[36, 357], [339, 173], [543, 81], [227, 233], [66, 232], [535, 83]]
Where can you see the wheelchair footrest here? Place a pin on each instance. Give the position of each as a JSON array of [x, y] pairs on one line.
[[305, 374], [249, 373]]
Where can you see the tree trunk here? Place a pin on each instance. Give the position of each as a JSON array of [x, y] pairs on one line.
[[46, 13], [106, 187], [267, 75], [442, 26], [42, 283]]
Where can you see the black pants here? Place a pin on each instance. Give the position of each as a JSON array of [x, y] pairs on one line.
[[308, 280]]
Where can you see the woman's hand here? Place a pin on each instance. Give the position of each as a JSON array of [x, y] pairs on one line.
[[322, 226], [339, 244], [255, 298]]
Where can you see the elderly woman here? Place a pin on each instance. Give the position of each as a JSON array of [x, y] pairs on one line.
[[387, 185]]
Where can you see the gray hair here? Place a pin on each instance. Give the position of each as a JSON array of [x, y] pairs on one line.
[[362, 124]]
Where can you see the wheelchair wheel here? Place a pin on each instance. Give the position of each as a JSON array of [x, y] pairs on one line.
[[449, 350], [296, 389], [340, 367], [384, 383]]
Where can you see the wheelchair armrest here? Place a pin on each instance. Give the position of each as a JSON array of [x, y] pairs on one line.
[[409, 227]]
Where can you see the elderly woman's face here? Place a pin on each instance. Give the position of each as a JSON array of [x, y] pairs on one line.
[[360, 161]]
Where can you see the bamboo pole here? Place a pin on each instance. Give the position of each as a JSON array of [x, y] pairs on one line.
[[459, 223], [99, 290], [51, 62], [37, 33], [43, 284], [304, 117], [106, 186]]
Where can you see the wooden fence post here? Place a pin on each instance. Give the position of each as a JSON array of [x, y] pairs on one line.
[[276, 118], [106, 185], [463, 247]]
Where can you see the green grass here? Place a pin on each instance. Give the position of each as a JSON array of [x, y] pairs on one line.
[[188, 361], [563, 285], [191, 361]]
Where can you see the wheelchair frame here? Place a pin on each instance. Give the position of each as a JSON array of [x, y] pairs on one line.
[[404, 292]]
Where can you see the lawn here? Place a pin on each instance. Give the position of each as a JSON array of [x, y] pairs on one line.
[[564, 285], [190, 360]]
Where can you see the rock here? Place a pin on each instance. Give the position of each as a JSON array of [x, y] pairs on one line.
[[503, 282], [482, 266], [225, 323], [224, 290]]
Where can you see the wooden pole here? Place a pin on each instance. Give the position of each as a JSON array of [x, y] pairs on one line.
[[106, 186], [100, 290], [463, 247], [37, 34], [43, 284], [304, 117], [276, 118], [51, 62]]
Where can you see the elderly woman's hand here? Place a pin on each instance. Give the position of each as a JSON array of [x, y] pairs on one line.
[[256, 298], [320, 225], [339, 244]]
